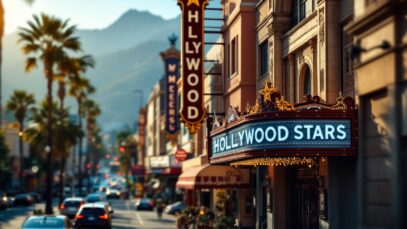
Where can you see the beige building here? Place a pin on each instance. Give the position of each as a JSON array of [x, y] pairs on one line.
[[379, 33]]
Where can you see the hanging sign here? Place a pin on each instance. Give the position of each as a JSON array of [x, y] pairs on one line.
[[192, 109], [171, 114]]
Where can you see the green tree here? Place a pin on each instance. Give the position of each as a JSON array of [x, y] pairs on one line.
[[66, 132], [48, 39], [69, 68], [91, 111], [126, 140], [20, 103], [80, 88]]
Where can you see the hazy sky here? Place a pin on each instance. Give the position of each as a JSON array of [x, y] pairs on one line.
[[84, 13]]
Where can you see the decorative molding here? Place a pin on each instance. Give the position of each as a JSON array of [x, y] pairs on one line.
[[321, 20]]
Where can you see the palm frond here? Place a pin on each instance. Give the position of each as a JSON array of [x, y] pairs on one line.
[[30, 64]]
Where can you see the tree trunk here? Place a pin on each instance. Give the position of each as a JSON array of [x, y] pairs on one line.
[[48, 201], [62, 155], [21, 148], [80, 147]]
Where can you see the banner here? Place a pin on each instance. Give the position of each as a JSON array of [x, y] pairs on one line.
[[192, 109]]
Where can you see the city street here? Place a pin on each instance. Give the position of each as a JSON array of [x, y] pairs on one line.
[[124, 216]]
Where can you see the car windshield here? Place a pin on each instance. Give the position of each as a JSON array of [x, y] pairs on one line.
[[72, 203], [93, 199], [93, 211], [44, 223], [20, 196], [145, 200]]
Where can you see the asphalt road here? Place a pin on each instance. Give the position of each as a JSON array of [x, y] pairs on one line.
[[124, 216]]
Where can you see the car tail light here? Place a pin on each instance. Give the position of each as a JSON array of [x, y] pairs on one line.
[[62, 206], [105, 216], [79, 216]]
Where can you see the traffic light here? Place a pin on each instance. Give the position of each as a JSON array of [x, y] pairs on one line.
[[107, 156], [88, 166], [121, 149]]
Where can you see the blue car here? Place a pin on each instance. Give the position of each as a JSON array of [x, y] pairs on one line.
[[174, 208]]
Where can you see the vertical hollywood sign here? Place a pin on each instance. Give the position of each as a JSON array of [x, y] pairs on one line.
[[192, 109], [171, 125]]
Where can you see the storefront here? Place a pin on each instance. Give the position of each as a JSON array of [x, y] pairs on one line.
[[163, 173], [290, 147], [208, 185]]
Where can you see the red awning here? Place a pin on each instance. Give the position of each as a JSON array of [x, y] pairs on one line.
[[213, 176]]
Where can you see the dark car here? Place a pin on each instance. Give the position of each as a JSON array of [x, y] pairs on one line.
[[113, 194], [36, 197], [174, 208], [54, 222], [93, 216], [144, 204], [23, 200], [71, 206], [92, 198]]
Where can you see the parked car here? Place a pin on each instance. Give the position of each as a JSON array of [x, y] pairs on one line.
[[36, 196], [93, 216], [113, 194], [23, 200], [144, 204], [54, 222], [71, 206], [174, 208]]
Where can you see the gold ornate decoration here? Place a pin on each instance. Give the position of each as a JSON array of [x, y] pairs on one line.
[[267, 91], [192, 127], [340, 105], [253, 109], [283, 105], [190, 2], [276, 161]]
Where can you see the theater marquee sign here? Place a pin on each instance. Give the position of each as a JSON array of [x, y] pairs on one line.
[[274, 128], [192, 54]]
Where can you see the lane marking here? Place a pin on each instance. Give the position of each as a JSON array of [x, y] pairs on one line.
[[139, 219]]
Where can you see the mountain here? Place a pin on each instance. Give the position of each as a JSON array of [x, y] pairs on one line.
[[127, 59]]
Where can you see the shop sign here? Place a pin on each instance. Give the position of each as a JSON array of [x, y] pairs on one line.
[[274, 128], [171, 111], [283, 134], [192, 111], [159, 162], [181, 155]]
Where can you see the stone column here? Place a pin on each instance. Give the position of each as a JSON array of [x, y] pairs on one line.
[[277, 25]]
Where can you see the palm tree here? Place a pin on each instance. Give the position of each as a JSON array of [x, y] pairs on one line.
[[48, 39], [91, 111], [80, 88], [66, 132], [20, 103], [69, 68], [2, 24]]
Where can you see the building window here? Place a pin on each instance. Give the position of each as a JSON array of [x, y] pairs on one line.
[[233, 56], [307, 82], [263, 50], [300, 10]]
